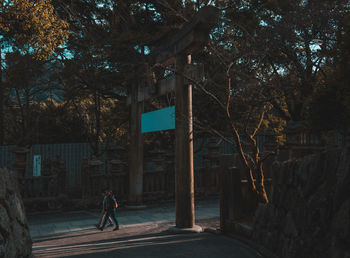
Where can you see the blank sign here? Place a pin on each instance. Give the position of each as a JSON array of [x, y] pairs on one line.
[[37, 165], [163, 119]]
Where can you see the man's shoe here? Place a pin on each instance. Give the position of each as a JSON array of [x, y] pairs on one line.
[[99, 228], [116, 228]]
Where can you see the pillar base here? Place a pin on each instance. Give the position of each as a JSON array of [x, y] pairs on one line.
[[194, 229]]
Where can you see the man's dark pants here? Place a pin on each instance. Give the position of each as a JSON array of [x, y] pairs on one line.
[[110, 214]]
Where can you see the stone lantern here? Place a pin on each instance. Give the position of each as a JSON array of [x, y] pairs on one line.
[[20, 162], [115, 163], [300, 140], [96, 180], [213, 155], [157, 157], [95, 166]]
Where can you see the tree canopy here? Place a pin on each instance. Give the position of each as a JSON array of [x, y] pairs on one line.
[[268, 62], [275, 54], [32, 26]]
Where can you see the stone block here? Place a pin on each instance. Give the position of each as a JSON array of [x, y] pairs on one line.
[[3, 245], [290, 198], [243, 230], [17, 208], [302, 170], [259, 214], [15, 240], [4, 219], [309, 208], [299, 213], [276, 195], [341, 222], [290, 228]]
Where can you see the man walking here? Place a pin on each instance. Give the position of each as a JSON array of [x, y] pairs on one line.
[[110, 207], [103, 214]]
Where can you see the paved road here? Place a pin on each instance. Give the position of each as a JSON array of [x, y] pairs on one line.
[[143, 233]]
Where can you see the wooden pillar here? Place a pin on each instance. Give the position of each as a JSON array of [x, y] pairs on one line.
[[2, 114], [136, 150], [184, 185]]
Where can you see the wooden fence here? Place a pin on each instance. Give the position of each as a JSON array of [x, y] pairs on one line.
[[72, 155]]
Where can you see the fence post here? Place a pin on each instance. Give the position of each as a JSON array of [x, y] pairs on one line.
[[222, 185], [84, 173], [231, 200], [236, 202]]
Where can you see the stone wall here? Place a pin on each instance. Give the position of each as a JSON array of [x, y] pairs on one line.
[[309, 210], [15, 240]]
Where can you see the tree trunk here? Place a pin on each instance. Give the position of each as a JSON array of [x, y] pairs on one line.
[[257, 187], [2, 126], [98, 123], [260, 186]]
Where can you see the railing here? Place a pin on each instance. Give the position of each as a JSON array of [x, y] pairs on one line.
[[157, 185], [237, 201], [46, 191], [72, 155], [43, 192]]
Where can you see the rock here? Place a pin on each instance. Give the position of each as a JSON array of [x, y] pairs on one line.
[[309, 210], [313, 180], [290, 228], [2, 246], [302, 171], [341, 222], [259, 214], [15, 239], [275, 197], [275, 168], [342, 191]]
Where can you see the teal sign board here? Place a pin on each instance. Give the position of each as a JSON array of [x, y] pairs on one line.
[[37, 165], [163, 119]]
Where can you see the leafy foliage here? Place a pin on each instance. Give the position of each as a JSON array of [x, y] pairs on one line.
[[32, 26], [330, 103]]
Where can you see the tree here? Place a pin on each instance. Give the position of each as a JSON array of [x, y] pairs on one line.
[[241, 103], [30, 27], [330, 109], [28, 84], [266, 56], [107, 40], [297, 37]]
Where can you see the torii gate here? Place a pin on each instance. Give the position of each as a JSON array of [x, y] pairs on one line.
[[191, 38]]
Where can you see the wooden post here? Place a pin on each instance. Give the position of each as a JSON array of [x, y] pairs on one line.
[[188, 39], [184, 185], [225, 163], [136, 150]]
